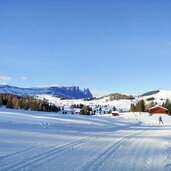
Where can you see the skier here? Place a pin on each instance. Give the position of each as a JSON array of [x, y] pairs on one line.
[[160, 120]]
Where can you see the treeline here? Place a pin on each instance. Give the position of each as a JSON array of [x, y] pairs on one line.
[[167, 105], [138, 107], [78, 106], [26, 103]]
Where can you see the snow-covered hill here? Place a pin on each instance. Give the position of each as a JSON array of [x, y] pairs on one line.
[[59, 95], [158, 97], [60, 91], [123, 103]]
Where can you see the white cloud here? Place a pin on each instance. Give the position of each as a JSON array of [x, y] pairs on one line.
[[5, 79], [23, 78]]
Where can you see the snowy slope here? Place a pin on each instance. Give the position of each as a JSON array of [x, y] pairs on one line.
[[159, 97], [105, 102], [48, 141], [108, 105]]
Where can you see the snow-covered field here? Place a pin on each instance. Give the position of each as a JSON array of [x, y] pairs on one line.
[[48, 141], [107, 104]]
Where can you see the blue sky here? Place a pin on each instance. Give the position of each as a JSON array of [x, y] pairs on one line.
[[105, 45]]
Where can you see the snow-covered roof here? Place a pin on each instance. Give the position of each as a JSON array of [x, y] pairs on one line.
[[77, 110], [115, 111], [159, 107]]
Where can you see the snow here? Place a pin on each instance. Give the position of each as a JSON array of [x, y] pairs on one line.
[[106, 104], [44, 141], [123, 105], [159, 97]]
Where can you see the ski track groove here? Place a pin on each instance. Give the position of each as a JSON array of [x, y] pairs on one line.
[[167, 155], [98, 162], [49, 154], [16, 153], [45, 156]]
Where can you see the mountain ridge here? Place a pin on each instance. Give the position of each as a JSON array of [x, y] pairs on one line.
[[60, 91], [73, 92]]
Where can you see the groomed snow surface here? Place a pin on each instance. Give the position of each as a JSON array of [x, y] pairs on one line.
[[55, 142]]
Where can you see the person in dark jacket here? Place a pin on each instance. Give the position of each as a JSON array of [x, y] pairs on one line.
[[160, 120]]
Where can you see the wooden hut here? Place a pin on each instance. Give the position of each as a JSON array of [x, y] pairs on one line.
[[158, 110], [115, 113]]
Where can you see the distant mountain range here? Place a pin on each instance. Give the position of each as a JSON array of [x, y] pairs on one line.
[[74, 92], [59, 91], [57, 94]]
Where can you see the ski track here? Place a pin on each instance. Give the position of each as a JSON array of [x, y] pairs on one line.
[[15, 154], [146, 154], [94, 165], [119, 146], [46, 156], [168, 158]]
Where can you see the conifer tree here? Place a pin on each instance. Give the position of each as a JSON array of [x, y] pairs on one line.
[[85, 110], [1, 103], [167, 105], [141, 106], [114, 108], [132, 108], [9, 104]]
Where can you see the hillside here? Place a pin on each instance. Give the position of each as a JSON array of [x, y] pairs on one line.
[[68, 96], [120, 101]]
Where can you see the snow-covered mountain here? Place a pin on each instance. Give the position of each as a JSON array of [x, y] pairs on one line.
[[64, 92]]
